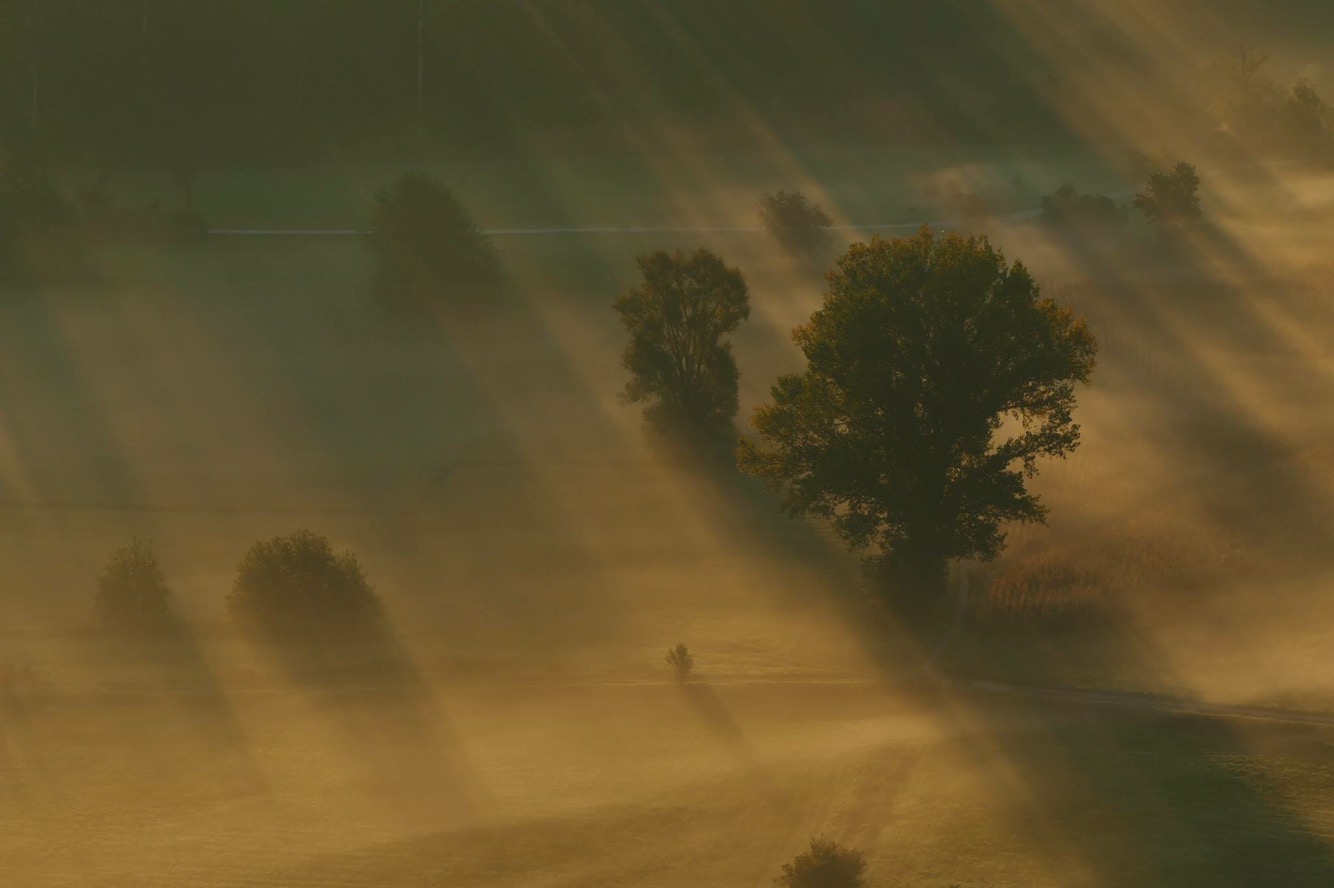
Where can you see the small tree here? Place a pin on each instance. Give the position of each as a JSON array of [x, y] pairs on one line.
[[132, 596], [826, 865], [296, 589], [428, 247], [1171, 197], [680, 662], [677, 318], [800, 227], [936, 377]]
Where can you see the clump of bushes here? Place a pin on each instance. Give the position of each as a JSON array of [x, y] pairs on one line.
[[800, 227], [680, 662], [826, 865], [296, 593], [1042, 593], [428, 248], [1068, 207]]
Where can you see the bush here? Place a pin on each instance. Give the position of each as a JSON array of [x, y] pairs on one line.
[[800, 227], [428, 247], [296, 590], [680, 662], [1172, 196], [1066, 206], [132, 595], [826, 865]]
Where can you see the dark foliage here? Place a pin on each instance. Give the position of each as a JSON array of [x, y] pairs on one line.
[[1171, 197], [1067, 207], [680, 662], [800, 227], [429, 251], [936, 377], [678, 362], [133, 600], [826, 865], [295, 590]]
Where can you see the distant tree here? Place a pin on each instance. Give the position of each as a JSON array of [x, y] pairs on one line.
[[936, 377], [1310, 123], [800, 227], [680, 662], [428, 247], [132, 594], [1067, 206], [826, 865], [677, 318], [296, 589], [1172, 196]]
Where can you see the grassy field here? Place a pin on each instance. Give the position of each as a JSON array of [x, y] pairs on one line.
[[651, 784], [537, 556]]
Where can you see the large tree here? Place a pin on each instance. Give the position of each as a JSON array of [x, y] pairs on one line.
[[936, 377], [679, 363]]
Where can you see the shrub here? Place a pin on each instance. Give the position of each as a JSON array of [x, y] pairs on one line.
[[1066, 206], [680, 662], [428, 247], [800, 227], [826, 865], [296, 590], [132, 595], [1171, 196]]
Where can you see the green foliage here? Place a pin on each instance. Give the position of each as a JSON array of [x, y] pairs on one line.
[[680, 662], [677, 318], [428, 247], [800, 227], [132, 596], [1172, 196], [296, 589], [1066, 206], [936, 377], [826, 865]]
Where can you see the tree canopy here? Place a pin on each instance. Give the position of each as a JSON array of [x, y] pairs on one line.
[[799, 226], [428, 247], [295, 588], [1171, 195], [936, 378], [677, 317]]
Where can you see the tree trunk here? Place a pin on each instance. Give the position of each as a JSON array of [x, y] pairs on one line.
[[914, 582]]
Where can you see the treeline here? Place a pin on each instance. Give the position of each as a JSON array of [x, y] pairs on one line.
[[153, 80]]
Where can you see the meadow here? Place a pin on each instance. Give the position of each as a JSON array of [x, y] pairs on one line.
[[537, 556]]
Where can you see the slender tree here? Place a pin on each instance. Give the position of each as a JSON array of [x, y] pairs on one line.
[[677, 317]]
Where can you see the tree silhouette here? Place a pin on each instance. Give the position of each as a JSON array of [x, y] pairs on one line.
[[132, 594], [936, 377], [677, 359]]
